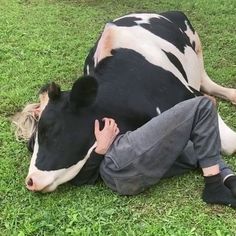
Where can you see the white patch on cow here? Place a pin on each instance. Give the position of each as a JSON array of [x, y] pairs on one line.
[[141, 15], [192, 68], [104, 45], [158, 111], [48, 181], [228, 137], [189, 32], [32, 167], [143, 21], [145, 17]]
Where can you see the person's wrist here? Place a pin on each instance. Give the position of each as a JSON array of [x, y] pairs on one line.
[[100, 150]]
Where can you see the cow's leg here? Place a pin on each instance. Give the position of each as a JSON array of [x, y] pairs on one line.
[[207, 85], [228, 137], [210, 87]]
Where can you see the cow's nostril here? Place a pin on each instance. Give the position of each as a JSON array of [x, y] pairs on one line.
[[30, 182]]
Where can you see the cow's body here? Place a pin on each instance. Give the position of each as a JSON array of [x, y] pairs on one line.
[[143, 64]]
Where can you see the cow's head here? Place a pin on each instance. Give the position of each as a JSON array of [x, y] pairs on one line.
[[64, 137]]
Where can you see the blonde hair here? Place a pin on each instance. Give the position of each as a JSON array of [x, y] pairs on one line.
[[26, 121]]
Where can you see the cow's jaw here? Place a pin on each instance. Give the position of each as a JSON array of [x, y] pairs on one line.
[[48, 181]]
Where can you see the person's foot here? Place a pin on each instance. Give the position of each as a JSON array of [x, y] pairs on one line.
[[215, 192], [230, 183]]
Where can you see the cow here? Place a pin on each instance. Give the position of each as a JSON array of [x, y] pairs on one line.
[[141, 65]]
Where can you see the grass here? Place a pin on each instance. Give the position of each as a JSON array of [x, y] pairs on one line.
[[47, 40]]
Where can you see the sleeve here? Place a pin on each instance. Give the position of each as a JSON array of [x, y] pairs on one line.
[[90, 171]]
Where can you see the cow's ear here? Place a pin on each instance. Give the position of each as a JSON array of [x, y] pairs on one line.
[[54, 91], [84, 92], [44, 89]]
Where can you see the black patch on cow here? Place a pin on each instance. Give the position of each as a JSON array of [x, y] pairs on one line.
[[194, 45], [127, 21], [137, 86], [83, 92], [168, 31], [178, 18], [175, 61]]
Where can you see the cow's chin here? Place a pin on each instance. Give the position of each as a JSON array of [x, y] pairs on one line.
[[39, 182], [49, 188], [47, 181]]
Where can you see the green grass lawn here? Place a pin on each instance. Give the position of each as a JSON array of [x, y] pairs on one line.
[[47, 40]]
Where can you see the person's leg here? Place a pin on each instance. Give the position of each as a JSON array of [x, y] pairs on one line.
[[161, 140], [158, 143], [230, 182], [185, 162], [188, 161]]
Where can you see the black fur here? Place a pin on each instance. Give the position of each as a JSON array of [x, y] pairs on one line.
[[83, 92], [54, 91]]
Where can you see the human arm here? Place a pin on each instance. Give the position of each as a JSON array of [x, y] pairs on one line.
[[90, 171], [104, 137]]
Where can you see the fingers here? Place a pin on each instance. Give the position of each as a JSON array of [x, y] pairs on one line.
[[117, 131], [109, 122], [109, 125], [106, 135], [96, 127], [106, 122]]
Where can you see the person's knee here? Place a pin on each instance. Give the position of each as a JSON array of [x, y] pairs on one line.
[[206, 103]]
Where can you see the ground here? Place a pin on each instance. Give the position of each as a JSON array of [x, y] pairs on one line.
[[48, 40]]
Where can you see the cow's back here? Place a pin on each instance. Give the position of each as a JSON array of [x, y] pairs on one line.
[[135, 90], [166, 40]]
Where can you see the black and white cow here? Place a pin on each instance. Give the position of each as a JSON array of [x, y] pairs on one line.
[[142, 65]]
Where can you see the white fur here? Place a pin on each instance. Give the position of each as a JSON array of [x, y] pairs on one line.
[[158, 111]]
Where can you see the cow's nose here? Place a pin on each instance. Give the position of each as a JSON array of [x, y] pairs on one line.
[[30, 182], [38, 181]]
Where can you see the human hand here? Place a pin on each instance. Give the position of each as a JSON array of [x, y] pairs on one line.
[[106, 136]]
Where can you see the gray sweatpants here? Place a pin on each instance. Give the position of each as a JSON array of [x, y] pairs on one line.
[[138, 159]]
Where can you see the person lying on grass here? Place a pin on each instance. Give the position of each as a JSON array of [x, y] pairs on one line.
[[132, 162]]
